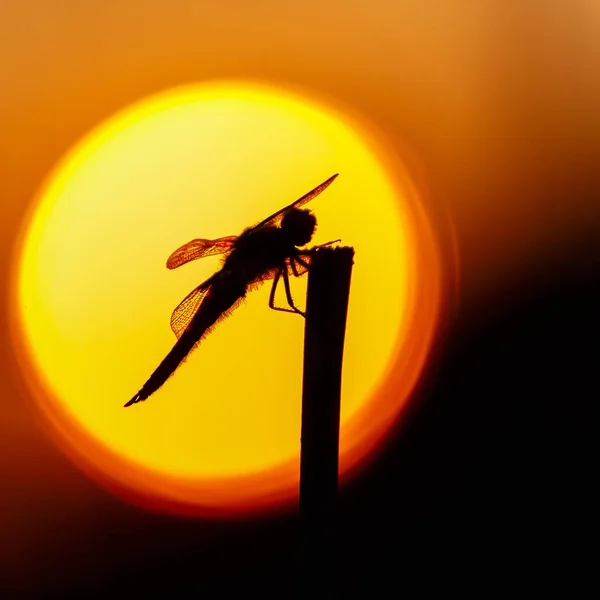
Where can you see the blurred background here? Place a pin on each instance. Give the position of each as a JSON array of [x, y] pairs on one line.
[[495, 107]]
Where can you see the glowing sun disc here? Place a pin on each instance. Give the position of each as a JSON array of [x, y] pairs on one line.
[[92, 297]]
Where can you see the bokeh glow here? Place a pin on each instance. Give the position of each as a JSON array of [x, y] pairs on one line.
[[93, 296]]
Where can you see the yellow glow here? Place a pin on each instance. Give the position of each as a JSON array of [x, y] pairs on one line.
[[94, 297]]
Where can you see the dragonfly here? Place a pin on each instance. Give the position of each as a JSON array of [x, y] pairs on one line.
[[270, 250]]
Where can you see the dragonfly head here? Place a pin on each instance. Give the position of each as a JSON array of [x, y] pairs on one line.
[[299, 225]]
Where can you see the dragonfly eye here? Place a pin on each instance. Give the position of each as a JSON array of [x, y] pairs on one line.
[[299, 225]]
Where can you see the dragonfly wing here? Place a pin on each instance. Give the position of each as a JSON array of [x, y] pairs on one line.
[[188, 307], [275, 218], [199, 248]]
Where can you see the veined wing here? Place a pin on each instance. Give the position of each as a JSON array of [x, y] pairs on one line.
[[188, 307], [275, 218], [199, 248]]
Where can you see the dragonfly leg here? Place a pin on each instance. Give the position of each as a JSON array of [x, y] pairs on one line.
[[288, 293], [272, 294], [294, 268], [301, 261]]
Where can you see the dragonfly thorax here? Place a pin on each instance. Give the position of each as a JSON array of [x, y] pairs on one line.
[[299, 226]]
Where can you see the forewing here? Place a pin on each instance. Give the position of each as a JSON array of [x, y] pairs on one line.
[[198, 249], [187, 308], [275, 218]]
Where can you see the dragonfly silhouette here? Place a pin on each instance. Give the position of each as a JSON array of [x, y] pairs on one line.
[[268, 250]]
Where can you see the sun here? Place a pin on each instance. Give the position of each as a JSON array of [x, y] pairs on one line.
[[92, 297]]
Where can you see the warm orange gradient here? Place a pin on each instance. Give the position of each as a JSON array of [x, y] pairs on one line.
[[93, 296]]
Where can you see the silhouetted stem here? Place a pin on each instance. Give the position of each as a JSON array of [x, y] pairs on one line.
[[326, 310]]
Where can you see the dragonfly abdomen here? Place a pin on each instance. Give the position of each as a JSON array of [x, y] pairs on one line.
[[219, 302]]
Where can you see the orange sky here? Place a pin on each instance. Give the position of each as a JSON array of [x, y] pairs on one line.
[[497, 104]]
